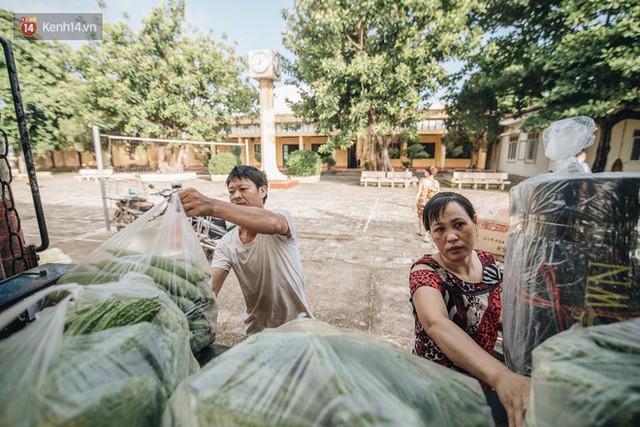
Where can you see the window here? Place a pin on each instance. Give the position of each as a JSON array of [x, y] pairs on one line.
[[513, 147], [315, 147], [635, 148], [257, 152], [286, 149], [532, 146]]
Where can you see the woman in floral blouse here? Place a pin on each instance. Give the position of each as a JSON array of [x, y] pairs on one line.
[[455, 295]]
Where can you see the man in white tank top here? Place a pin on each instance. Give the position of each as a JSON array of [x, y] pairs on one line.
[[262, 250]]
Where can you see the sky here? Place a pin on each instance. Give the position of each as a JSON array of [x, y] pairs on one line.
[[250, 24]]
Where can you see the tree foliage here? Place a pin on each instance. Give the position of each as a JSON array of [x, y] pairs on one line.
[[473, 116], [567, 57], [365, 68], [162, 82], [47, 87]]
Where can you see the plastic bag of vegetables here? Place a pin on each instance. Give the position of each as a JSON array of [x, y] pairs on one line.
[[162, 245], [105, 355], [587, 377], [308, 373]]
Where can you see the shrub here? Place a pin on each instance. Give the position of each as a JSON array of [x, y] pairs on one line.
[[303, 163], [222, 164]]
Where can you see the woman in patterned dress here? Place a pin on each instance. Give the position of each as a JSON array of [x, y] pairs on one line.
[[455, 295], [427, 187]]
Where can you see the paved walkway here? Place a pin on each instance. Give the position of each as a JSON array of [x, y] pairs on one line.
[[357, 245]]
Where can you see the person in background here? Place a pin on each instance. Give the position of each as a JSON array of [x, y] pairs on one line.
[[455, 294], [582, 161], [427, 187], [262, 250]]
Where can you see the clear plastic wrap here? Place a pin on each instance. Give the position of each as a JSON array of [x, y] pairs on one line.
[[565, 138], [587, 377], [308, 373], [104, 355], [573, 256], [162, 245]]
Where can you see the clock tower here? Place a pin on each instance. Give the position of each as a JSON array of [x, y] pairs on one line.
[[264, 66]]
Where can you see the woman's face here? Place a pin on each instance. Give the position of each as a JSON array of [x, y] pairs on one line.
[[454, 233]]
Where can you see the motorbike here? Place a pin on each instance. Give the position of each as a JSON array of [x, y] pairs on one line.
[[130, 206]]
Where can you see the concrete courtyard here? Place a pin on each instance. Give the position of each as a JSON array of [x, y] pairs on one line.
[[357, 244]]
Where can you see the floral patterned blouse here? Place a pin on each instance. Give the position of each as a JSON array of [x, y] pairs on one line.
[[474, 307]]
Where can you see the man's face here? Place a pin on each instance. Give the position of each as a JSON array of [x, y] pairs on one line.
[[244, 192]]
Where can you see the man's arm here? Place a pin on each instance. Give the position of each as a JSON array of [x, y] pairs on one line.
[[257, 220], [218, 277]]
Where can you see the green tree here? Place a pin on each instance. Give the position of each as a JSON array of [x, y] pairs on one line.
[[365, 68], [48, 88], [567, 57], [162, 82], [473, 116]]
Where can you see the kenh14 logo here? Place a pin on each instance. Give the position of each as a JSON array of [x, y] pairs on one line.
[[28, 26]]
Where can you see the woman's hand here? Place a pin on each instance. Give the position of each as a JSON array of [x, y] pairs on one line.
[[513, 391]]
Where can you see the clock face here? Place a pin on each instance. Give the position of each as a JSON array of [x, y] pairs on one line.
[[259, 62], [277, 67]]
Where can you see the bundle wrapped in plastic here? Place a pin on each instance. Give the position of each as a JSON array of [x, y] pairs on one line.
[[572, 257], [587, 377], [308, 373], [162, 245], [565, 138], [104, 355]]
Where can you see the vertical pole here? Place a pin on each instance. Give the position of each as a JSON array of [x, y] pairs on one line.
[[246, 150], [98, 148]]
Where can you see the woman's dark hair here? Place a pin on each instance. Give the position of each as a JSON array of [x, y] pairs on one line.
[[252, 174], [438, 203]]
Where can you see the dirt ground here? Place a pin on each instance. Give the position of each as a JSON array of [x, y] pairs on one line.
[[357, 244]]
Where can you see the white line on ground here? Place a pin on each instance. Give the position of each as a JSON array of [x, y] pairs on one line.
[[373, 210]]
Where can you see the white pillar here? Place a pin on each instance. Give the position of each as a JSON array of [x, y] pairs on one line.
[[300, 143], [268, 132]]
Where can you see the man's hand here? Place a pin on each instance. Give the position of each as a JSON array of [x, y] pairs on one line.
[[197, 204], [513, 391]]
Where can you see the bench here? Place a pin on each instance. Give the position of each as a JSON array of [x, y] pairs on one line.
[[93, 174], [405, 178], [499, 179], [372, 177], [391, 178], [486, 179]]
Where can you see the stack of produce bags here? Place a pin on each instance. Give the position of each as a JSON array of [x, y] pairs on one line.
[[104, 355], [307, 372], [587, 377], [162, 245]]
